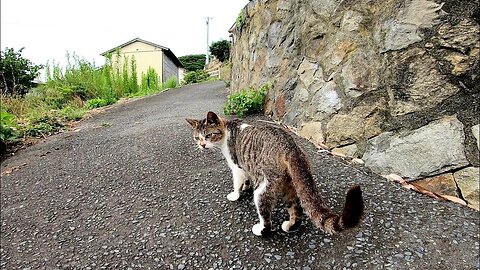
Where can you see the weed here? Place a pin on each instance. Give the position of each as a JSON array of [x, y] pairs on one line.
[[99, 102], [8, 126], [42, 125], [150, 82], [240, 20], [170, 83], [247, 101], [72, 113]]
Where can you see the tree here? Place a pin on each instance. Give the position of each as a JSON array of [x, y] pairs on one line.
[[193, 62], [221, 50], [16, 73]]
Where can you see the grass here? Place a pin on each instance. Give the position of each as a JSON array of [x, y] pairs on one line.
[[70, 92]]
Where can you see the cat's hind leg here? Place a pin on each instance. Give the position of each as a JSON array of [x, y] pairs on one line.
[[239, 178], [264, 202], [247, 185], [292, 203]]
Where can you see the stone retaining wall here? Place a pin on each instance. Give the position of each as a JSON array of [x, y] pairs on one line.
[[393, 82]]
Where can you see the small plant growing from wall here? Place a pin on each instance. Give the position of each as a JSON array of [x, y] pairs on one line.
[[247, 101], [240, 20]]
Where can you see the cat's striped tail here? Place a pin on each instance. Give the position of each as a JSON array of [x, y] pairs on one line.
[[313, 204]]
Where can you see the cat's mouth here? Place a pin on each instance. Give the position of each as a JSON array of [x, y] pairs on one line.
[[206, 146]]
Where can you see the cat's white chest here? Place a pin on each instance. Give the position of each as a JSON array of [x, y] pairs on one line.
[[228, 156]]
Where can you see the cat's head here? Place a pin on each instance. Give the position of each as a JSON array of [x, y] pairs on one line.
[[209, 132]]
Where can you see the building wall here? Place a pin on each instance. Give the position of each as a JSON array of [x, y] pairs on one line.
[[145, 56], [169, 68]]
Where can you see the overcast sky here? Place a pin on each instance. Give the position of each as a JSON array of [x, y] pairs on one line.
[[49, 28]]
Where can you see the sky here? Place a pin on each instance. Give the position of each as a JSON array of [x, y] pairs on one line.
[[48, 29]]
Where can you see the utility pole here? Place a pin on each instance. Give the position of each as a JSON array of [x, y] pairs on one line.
[[208, 45]]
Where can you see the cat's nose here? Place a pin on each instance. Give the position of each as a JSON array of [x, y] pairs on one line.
[[202, 144]]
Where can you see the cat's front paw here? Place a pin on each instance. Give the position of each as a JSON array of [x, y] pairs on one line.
[[233, 196], [260, 230], [288, 227]]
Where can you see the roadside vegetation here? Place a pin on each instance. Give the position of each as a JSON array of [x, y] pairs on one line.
[[32, 109], [195, 64], [246, 102], [196, 76], [67, 94]]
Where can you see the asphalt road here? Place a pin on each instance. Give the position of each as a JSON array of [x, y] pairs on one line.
[[130, 190]]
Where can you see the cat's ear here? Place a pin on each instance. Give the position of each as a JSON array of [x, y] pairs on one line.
[[192, 122], [212, 118]]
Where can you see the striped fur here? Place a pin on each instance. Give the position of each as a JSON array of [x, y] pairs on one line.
[[267, 158]]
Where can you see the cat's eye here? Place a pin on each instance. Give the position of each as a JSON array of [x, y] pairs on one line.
[[196, 138], [208, 136]]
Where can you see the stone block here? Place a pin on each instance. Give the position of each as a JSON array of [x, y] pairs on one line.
[[348, 150], [432, 149], [326, 100], [443, 184], [312, 131], [476, 131], [468, 181], [414, 84], [360, 124], [405, 28], [306, 71]]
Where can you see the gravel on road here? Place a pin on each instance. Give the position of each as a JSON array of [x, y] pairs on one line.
[[128, 189]]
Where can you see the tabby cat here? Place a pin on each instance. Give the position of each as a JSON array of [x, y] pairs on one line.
[[268, 157]]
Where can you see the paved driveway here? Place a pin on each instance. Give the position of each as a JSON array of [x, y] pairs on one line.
[[129, 190]]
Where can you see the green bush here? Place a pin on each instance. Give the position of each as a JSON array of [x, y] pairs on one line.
[[195, 77], [247, 101]]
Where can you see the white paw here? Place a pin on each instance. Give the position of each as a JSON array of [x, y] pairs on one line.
[[286, 226], [257, 229], [233, 196]]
